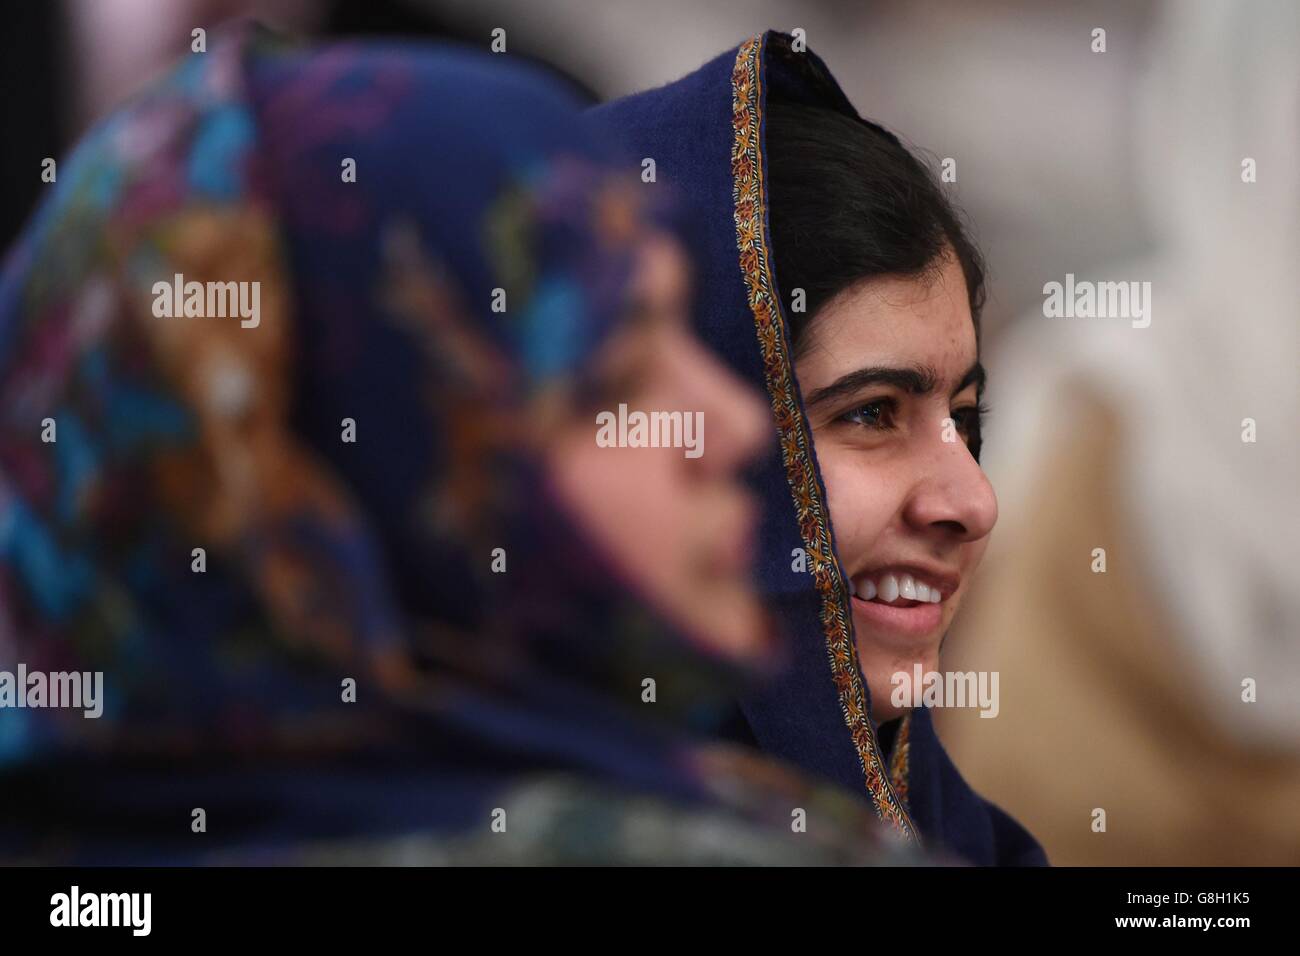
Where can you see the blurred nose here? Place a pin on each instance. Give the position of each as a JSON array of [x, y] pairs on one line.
[[737, 423], [952, 496]]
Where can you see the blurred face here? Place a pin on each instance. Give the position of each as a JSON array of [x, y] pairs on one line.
[[891, 379], [675, 520]]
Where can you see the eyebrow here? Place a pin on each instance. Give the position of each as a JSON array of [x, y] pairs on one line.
[[913, 379]]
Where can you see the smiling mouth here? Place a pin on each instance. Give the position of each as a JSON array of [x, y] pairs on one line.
[[896, 590], [898, 603]]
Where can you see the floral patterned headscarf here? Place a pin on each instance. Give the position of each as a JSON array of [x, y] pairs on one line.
[[274, 356]]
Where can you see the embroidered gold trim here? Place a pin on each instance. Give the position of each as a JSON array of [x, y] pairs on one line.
[[751, 241], [898, 765]]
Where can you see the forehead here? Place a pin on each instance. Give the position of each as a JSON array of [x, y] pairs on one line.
[[895, 321]]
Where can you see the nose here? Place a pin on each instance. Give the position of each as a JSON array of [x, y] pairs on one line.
[[952, 496], [736, 419]]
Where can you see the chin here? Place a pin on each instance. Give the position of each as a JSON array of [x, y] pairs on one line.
[[881, 660], [732, 624]]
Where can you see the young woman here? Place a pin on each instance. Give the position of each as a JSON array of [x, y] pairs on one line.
[[836, 276], [360, 582]]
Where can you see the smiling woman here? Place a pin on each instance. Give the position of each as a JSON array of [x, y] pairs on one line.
[[835, 275], [896, 440]]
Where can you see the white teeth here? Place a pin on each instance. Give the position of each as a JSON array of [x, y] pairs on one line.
[[853, 588], [893, 587]]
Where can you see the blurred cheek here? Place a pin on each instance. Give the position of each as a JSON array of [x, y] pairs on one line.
[[631, 503]]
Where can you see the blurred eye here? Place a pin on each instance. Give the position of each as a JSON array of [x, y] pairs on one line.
[[878, 414]]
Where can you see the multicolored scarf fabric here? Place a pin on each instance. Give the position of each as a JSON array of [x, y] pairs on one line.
[[263, 437], [706, 134]]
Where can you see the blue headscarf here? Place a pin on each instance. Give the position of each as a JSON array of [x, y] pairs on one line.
[[705, 133], [276, 530]]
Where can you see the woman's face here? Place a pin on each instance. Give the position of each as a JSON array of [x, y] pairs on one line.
[[890, 376], [680, 527]]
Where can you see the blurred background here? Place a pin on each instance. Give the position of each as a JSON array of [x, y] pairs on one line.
[[1164, 691]]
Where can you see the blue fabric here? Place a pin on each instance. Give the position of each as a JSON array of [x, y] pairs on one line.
[[688, 128], [472, 174], [952, 815], [330, 560]]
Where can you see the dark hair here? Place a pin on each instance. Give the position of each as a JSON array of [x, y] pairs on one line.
[[849, 202]]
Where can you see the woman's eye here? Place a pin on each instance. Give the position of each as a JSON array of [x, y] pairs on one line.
[[877, 414], [969, 419], [969, 422]]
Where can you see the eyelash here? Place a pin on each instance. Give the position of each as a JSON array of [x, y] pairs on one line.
[[853, 415], [969, 419]]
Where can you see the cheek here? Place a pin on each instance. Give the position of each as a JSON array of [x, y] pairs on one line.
[[663, 531], [862, 500], [636, 507]]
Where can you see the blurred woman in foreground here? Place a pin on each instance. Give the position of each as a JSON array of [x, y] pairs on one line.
[[360, 581]]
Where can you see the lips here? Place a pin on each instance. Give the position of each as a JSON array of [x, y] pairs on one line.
[[912, 619], [904, 600]]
